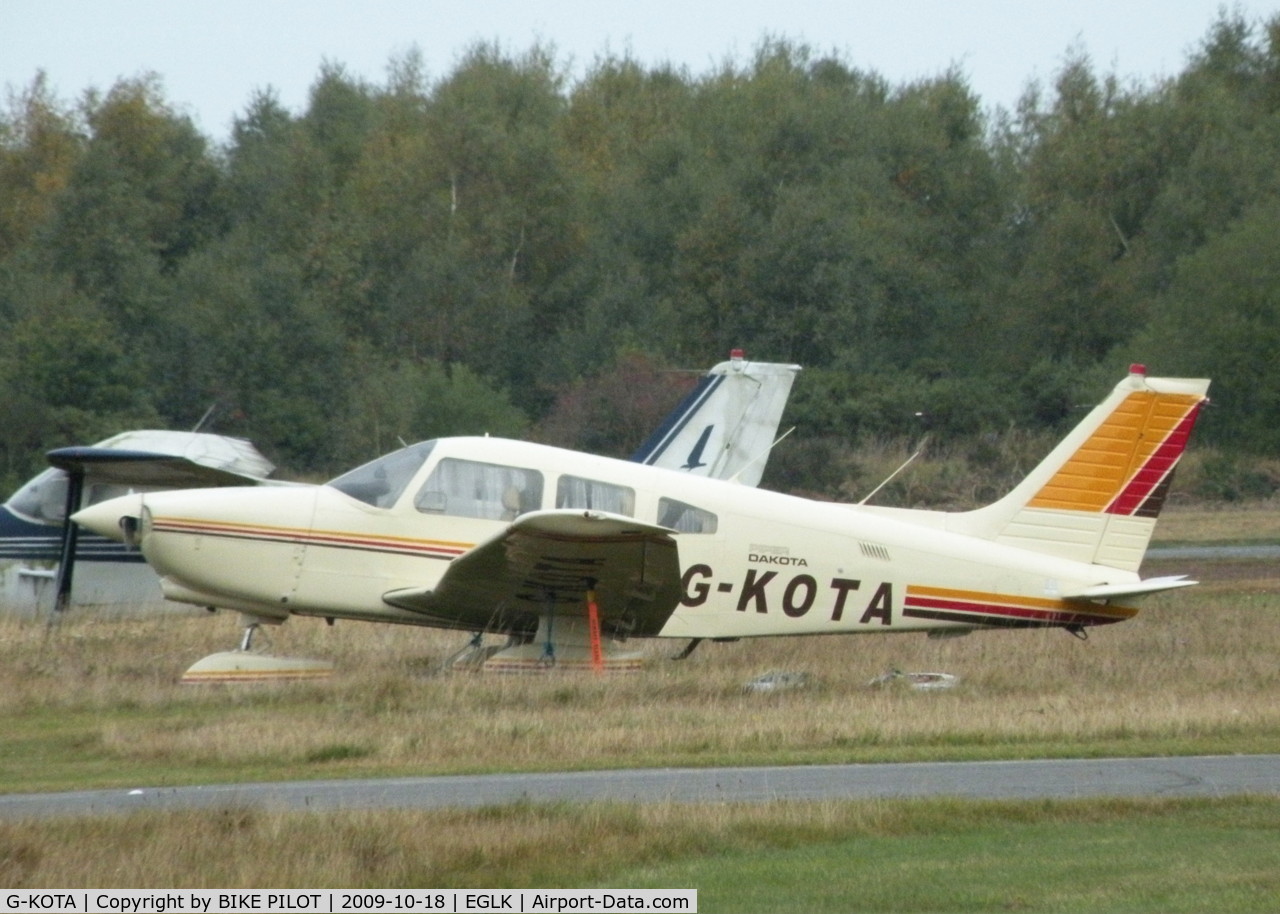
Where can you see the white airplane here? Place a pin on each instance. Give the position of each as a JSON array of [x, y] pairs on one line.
[[570, 554], [724, 428], [34, 535]]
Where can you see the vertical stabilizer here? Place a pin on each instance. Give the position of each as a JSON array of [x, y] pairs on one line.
[[1096, 497], [726, 425]]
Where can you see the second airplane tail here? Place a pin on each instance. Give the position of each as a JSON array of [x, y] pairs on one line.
[[1096, 497], [726, 425]]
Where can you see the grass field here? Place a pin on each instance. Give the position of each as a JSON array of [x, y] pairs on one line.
[[1221, 523], [933, 855], [96, 702]]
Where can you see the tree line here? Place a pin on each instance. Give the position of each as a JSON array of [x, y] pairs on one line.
[[505, 250]]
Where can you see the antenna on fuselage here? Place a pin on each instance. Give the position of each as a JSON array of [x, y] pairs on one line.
[[763, 454], [208, 413], [906, 463]]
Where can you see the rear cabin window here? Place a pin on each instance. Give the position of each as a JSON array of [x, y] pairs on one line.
[[685, 517], [575, 492], [489, 491]]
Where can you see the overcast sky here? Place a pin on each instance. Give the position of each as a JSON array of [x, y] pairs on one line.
[[212, 56]]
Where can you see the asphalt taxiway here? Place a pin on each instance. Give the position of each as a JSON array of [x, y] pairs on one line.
[[1189, 776]]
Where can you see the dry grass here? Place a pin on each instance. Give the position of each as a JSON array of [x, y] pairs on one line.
[[511, 846], [626, 845], [1220, 522], [98, 702]]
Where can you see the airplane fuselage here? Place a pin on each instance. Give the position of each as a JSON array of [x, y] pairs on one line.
[[110, 574], [751, 562]]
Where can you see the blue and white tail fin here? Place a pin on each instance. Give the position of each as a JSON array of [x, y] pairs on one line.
[[726, 425]]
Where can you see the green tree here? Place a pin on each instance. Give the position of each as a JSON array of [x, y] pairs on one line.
[[142, 197], [393, 403], [40, 143], [614, 410], [1221, 319], [68, 376]]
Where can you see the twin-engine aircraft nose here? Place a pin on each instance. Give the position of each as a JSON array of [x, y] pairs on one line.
[[117, 518]]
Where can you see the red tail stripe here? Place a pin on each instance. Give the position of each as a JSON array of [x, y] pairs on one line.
[[1157, 466]]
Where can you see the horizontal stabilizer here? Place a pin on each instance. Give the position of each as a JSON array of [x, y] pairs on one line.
[[1134, 589]]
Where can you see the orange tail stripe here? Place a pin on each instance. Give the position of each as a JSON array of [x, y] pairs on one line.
[[1143, 438], [1156, 468]]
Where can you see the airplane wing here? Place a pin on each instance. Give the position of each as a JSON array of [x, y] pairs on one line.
[[144, 468], [546, 556]]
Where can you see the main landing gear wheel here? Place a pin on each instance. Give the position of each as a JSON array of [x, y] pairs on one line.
[[246, 665], [567, 643]]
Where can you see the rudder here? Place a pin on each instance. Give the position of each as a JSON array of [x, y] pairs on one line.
[[726, 425], [1096, 497]]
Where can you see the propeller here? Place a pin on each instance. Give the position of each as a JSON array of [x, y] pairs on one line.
[[128, 468]]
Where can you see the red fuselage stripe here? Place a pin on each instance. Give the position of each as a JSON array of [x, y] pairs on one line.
[[304, 538]]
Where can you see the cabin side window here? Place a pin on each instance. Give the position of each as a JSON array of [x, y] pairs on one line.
[[685, 518], [575, 492], [489, 491]]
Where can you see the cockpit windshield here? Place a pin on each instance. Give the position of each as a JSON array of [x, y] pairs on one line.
[[382, 482], [43, 499]]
